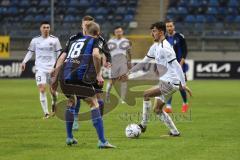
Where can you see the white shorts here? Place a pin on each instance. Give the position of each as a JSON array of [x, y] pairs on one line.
[[167, 89], [42, 77], [119, 66]]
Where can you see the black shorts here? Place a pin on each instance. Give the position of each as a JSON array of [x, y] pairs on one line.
[[79, 88]]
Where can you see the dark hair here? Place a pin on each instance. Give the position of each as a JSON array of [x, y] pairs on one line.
[[160, 26], [117, 27], [169, 21], [44, 22], [88, 18]]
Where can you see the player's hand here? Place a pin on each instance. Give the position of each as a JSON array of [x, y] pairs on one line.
[[187, 89], [182, 62], [107, 65], [129, 64], [23, 66], [124, 77], [100, 80], [53, 73]]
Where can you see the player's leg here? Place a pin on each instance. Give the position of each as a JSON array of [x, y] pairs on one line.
[[41, 80], [76, 113], [152, 92], [167, 90], [185, 102], [53, 95], [100, 103], [123, 90], [98, 122], [108, 89], [69, 117], [164, 117], [184, 93], [123, 71], [168, 108]]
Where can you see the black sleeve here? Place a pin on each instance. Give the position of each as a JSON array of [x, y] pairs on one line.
[[183, 46], [66, 49], [104, 49]]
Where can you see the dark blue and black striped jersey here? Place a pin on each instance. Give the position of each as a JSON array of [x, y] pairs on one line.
[[103, 47], [79, 62], [179, 45]]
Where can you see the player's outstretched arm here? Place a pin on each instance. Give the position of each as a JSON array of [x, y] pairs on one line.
[[26, 59], [55, 71], [97, 64]]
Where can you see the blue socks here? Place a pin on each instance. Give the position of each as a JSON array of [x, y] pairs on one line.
[[98, 124], [184, 96], [69, 117], [101, 106], [77, 108], [169, 102]]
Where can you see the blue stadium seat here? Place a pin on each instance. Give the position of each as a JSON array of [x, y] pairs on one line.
[[222, 11], [69, 18], [28, 18], [44, 3], [128, 18], [237, 19], [91, 11], [120, 11], [73, 3], [229, 19], [212, 10], [190, 19], [71, 10], [233, 3], [182, 10], [194, 3], [200, 19], [84, 3], [183, 3], [24, 3], [172, 11], [232, 11], [100, 18], [213, 3], [12, 11], [211, 19], [101, 11], [113, 3]]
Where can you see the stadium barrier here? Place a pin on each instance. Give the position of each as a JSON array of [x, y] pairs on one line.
[[4, 46], [196, 69]]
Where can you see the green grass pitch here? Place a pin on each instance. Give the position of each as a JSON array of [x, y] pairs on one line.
[[211, 132]]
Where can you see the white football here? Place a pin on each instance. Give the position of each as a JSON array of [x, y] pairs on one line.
[[133, 131]]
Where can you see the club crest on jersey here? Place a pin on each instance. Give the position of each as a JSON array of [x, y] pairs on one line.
[[50, 44]]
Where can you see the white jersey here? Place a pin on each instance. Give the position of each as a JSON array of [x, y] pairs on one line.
[[118, 46], [46, 52], [164, 54]]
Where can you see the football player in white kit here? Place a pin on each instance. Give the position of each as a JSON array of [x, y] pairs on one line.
[[46, 48], [171, 78], [121, 61]]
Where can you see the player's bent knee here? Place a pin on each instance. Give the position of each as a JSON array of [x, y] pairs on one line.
[[157, 110], [71, 101], [42, 88], [146, 96]]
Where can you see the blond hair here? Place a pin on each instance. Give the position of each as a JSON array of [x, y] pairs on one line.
[[92, 28]]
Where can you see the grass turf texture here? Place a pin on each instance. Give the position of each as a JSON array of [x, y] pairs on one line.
[[211, 133]]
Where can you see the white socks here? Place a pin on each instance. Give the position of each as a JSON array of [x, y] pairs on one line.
[[167, 120], [145, 115], [44, 103], [123, 90], [108, 89]]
